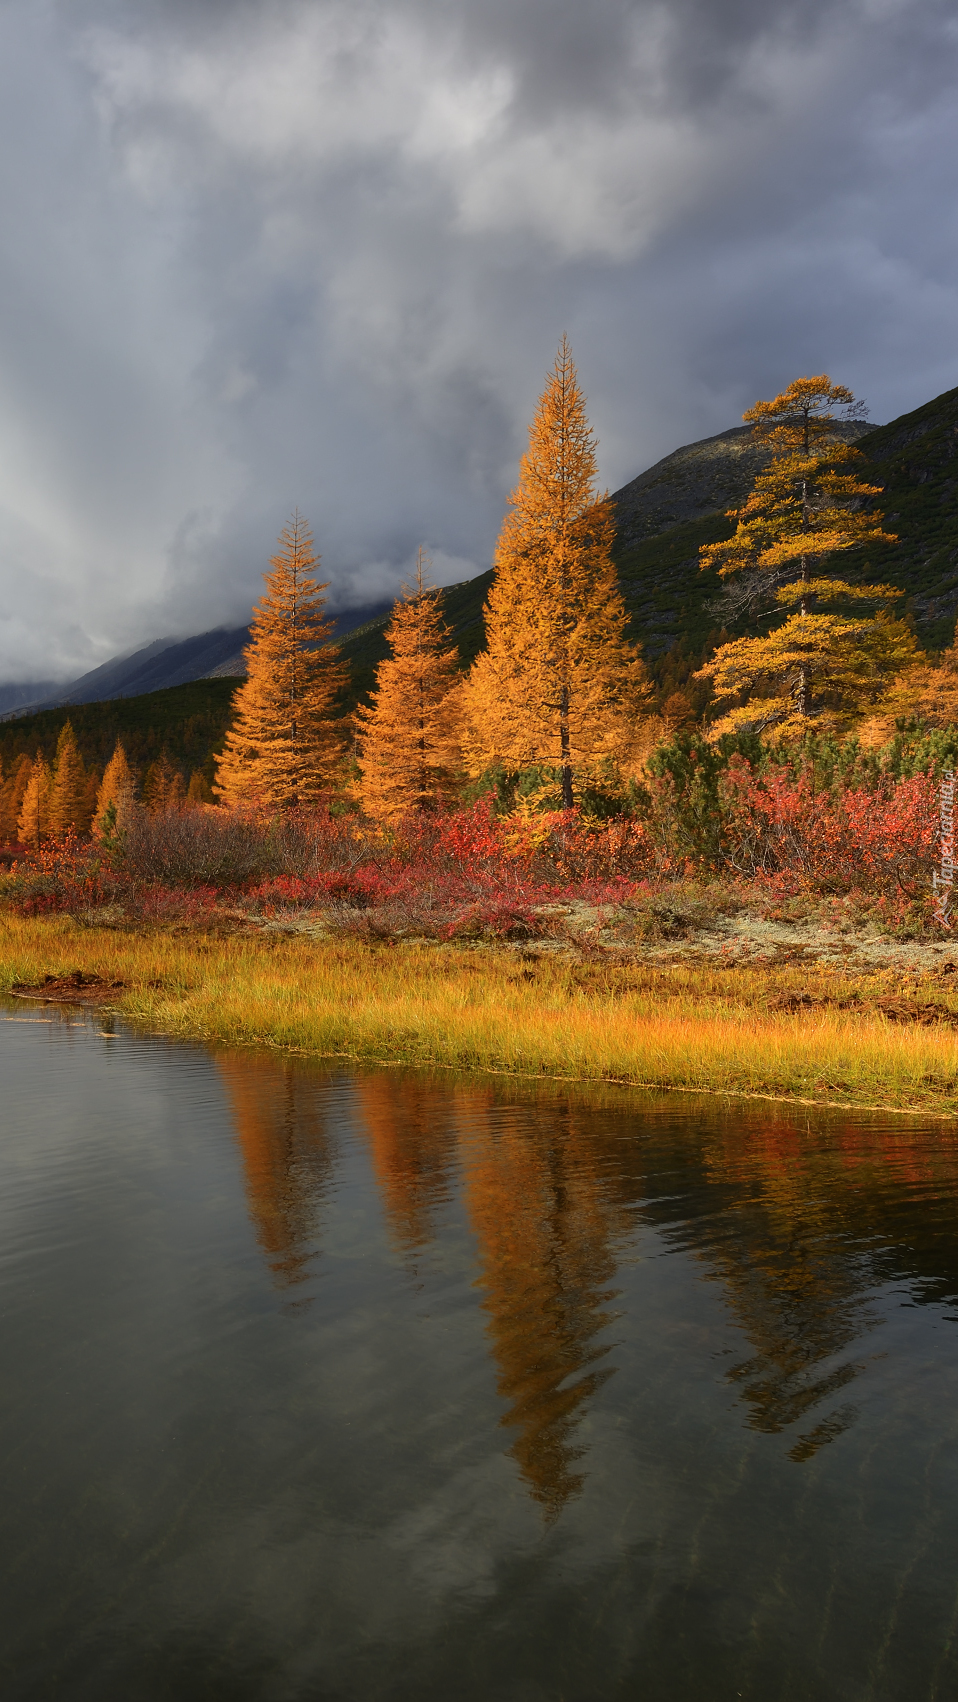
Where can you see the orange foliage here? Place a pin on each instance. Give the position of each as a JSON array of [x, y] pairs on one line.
[[558, 682], [286, 742], [409, 734], [287, 1157]]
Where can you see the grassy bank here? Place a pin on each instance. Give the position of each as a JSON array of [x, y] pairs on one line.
[[686, 1026]]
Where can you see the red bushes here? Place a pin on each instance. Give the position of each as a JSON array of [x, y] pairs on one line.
[[877, 840], [63, 873], [470, 872]]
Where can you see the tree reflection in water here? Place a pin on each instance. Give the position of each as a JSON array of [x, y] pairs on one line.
[[545, 1229], [412, 1138], [288, 1157], [799, 1220], [535, 1205]]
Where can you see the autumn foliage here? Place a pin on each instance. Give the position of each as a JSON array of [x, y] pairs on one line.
[[410, 731], [369, 818], [558, 684], [836, 654], [286, 740]]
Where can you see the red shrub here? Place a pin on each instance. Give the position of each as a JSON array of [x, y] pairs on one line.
[[882, 841]]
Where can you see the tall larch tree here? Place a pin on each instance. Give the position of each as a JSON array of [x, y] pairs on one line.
[[838, 649], [33, 823], [558, 683], [286, 741], [410, 733], [69, 806]]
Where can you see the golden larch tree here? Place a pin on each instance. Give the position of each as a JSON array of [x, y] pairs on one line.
[[11, 798], [410, 733], [69, 795], [33, 823], [163, 787], [835, 653], [199, 790], [115, 799], [286, 741], [558, 684]]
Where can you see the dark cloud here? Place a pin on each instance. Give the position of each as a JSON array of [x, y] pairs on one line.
[[320, 253]]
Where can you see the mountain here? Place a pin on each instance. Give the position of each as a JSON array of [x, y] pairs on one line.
[[697, 480], [159, 666], [22, 694]]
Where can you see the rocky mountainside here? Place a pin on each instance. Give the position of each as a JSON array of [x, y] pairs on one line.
[[697, 480]]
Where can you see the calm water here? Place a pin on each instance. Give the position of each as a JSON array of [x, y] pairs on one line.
[[378, 1387]]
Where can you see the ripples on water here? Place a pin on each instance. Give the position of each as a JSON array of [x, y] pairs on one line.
[[385, 1387]]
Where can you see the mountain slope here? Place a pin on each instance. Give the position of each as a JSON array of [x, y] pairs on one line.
[[165, 663], [669, 511], [189, 721], [665, 514]]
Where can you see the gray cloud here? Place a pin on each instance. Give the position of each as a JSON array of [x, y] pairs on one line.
[[320, 253]]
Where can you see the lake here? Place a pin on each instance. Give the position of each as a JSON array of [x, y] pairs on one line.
[[331, 1384]]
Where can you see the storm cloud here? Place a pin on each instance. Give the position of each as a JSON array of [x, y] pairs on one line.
[[320, 254]]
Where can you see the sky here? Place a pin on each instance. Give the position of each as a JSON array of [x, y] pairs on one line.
[[266, 254]]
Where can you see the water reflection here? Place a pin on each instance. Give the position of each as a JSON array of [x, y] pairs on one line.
[[412, 1139], [288, 1157], [545, 1228], [804, 1240], [668, 1409], [793, 1221]]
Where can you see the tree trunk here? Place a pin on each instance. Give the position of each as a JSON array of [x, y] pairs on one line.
[[568, 801]]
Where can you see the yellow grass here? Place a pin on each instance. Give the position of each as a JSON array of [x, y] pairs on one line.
[[677, 1026]]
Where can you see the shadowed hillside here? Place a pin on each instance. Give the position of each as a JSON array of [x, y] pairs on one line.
[[666, 513]]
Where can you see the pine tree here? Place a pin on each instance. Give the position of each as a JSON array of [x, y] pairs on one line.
[[33, 823], [286, 742], [11, 798], [199, 790], [68, 797], [826, 664], [558, 683], [163, 787], [115, 799], [410, 732]]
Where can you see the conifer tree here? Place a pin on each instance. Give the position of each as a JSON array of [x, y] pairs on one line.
[[286, 742], [199, 790], [410, 732], [115, 799], [11, 798], [558, 683], [163, 787], [33, 823], [834, 655], [68, 796]]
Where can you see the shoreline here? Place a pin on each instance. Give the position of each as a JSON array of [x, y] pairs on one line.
[[799, 1034]]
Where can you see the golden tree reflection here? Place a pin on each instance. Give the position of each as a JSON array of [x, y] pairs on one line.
[[545, 1228], [412, 1139], [804, 1236], [287, 1156]]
